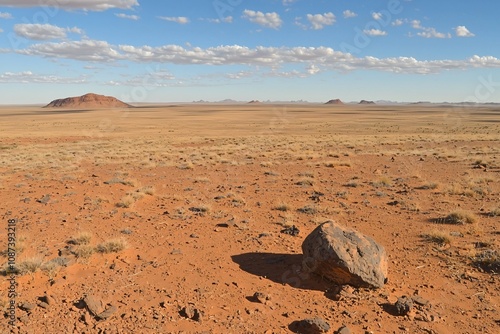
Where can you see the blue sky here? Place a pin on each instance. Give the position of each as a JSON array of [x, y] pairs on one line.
[[314, 50]]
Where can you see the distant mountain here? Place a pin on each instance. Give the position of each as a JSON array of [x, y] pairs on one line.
[[366, 102], [90, 100], [336, 101], [388, 102], [229, 101]]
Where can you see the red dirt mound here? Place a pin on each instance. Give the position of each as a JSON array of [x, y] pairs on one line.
[[88, 101]]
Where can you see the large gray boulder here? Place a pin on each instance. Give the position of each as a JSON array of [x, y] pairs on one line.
[[345, 256]]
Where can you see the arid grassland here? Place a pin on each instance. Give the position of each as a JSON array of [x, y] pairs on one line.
[[168, 219]]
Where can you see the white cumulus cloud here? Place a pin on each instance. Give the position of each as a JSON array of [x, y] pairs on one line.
[[87, 5], [128, 17], [43, 31], [319, 21], [313, 69], [177, 19], [324, 57], [397, 22], [227, 19], [4, 15], [30, 77], [348, 14], [462, 31], [268, 20], [375, 32], [428, 32], [377, 16]]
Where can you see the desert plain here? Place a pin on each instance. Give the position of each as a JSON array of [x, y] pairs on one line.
[[170, 217]]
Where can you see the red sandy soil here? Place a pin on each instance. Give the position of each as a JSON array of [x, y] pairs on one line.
[[392, 173], [90, 101]]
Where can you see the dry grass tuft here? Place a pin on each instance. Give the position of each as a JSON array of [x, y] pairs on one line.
[[238, 201], [148, 190], [282, 206], [201, 209], [115, 180], [82, 238], [461, 217], [84, 251], [202, 179], [307, 174], [126, 202], [429, 186], [51, 268], [456, 189], [112, 246], [29, 265], [308, 209], [382, 182], [495, 212], [332, 164], [438, 237], [187, 165], [488, 260], [287, 220], [305, 181], [20, 246], [352, 184]]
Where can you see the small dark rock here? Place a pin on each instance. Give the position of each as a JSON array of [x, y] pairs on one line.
[[191, 312], [294, 231], [94, 305], [44, 200], [312, 326], [261, 297], [420, 301], [107, 313], [49, 300], [316, 196], [43, 305], [343, 330], [403, 305], [28, 307], [24, 319]]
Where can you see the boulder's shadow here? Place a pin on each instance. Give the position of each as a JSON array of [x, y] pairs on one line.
[[280, 268], [390, 308]]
